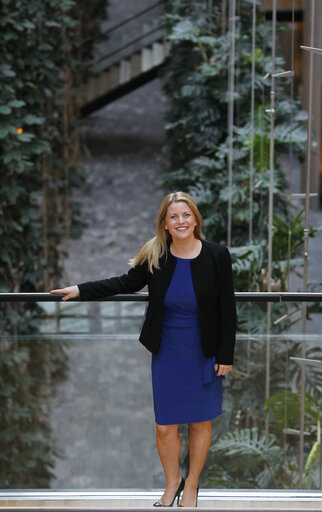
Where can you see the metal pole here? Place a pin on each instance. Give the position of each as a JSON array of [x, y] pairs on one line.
[[252, 110], [231, 78], [251, 158], [306, 242], [289, 255], [271, 110], [319, 440], [223, 16]]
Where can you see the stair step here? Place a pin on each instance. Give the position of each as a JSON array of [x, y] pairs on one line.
[[157, 54], [147, 61], [124, 71]]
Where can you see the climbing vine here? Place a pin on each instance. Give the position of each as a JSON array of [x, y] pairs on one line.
[[46, 47]]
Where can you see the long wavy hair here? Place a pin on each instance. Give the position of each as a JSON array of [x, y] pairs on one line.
[[157, 246]]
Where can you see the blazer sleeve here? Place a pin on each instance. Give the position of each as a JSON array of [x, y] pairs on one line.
[[133, 281], [227, 311]]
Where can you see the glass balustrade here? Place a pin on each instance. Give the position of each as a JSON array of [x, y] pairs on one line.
[[76, 400]]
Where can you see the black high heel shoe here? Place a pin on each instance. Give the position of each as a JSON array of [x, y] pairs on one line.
[[196, 505], [177, 495]]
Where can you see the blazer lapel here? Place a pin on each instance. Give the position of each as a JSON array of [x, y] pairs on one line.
[[167, 269]]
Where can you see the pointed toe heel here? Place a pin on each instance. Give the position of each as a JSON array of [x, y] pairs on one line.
[[177, 495]]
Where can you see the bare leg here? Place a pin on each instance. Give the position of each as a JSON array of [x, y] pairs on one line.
[[169, 445], [199, 443]]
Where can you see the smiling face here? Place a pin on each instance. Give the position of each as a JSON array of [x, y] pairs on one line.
[[180, 221]]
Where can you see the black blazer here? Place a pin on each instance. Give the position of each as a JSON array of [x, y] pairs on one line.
[[213, 284]]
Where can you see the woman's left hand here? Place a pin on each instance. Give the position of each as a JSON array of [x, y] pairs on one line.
[[222, 369]]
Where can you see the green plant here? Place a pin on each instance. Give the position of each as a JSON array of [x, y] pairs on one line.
[[251, 459], [195, 159], [285, 409], [244, 420], [46, 47], [196, 149]]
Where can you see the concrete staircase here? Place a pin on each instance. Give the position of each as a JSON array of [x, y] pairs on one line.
[[135, 59]]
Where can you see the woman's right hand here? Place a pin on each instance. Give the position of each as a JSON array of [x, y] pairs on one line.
[[70, 292]]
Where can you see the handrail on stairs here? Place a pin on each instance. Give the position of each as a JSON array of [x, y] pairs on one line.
[[129, 44], [107, 58], [131, 58], [137, 15]]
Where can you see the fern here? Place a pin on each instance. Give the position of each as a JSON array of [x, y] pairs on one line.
[[252, 449]]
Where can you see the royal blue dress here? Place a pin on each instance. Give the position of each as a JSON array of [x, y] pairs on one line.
[[185, 386]]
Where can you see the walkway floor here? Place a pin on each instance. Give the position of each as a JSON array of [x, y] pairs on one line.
[[227, 500]]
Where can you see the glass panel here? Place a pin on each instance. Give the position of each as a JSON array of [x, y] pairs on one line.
[[77, 411]]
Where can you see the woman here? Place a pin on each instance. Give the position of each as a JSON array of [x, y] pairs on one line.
[[189, 327]]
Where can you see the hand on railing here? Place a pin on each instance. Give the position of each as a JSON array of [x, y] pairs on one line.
[[70, 292]]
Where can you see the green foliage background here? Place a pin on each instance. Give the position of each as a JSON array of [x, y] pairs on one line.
[[45, 50], [195, 159], [195, 155], [196, 149]]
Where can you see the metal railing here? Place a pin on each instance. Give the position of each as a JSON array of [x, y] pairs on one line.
[[134, 17], [95, 329], [144, 297]]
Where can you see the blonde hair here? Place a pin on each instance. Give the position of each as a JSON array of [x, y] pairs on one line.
[[157, 246]]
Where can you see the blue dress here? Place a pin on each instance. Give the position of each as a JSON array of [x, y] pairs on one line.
[[185, 386]]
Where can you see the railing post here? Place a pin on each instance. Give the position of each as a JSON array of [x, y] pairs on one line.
[[270, 211], [306, 243]]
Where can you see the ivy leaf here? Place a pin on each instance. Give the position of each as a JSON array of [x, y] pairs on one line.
[[4, 131], [26, 137], [50, 23], [7, 71], [32, 119], [10, 157], [28, 24], [5, 110], [16, 103]]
